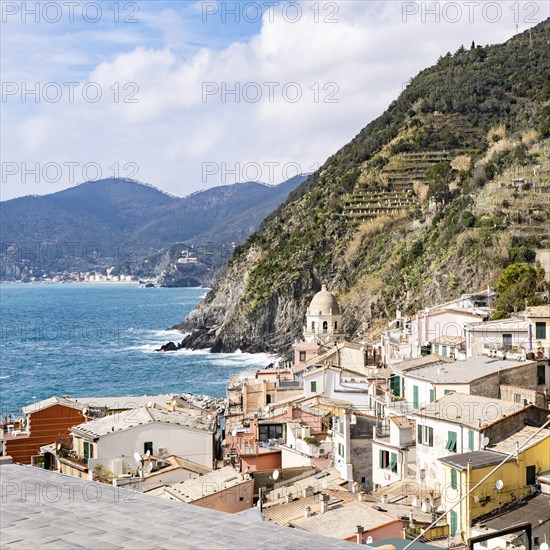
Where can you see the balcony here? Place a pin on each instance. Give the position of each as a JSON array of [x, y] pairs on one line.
[[297, 384], [11, 433]]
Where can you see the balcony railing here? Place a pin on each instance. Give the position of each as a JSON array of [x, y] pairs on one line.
[[290, 384]]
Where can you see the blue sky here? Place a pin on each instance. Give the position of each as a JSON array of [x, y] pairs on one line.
[[299, 83]]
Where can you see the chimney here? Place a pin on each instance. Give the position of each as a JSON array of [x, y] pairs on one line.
[[360, 531], [324, 502], [307, 512]]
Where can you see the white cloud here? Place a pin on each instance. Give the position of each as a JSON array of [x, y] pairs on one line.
[[363, 60]]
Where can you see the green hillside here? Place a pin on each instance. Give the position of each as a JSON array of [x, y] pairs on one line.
[[421, 205]]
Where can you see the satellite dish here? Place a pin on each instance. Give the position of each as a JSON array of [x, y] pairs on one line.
[[149, 403], [325, 484], [137, 457], [275, 474], [485, 442], [234, 432], [544, 546], [148, 453], [370, 540], [499, 484], [84, 411], [58, 447], [149, 467]]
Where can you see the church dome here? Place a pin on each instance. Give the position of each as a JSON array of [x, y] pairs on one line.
[[324, 303]]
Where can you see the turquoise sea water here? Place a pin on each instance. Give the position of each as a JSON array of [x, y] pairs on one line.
[[98, 340]]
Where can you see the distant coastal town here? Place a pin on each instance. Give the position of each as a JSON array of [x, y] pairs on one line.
[[435, 433]]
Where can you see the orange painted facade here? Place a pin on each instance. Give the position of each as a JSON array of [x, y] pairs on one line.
[[44, 426]]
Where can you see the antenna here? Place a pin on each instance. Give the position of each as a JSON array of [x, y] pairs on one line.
[[137, 457], [275, 474]]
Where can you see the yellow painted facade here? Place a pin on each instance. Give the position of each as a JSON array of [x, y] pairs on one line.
[[516, 476]]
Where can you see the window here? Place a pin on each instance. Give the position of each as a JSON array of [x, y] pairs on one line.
[[415, 397], [447, 392], [86, 450], [335, 326], [270, 431], [425, 435], [540, 331], [432, 395], [313, 387], [517, 397], [530, 475], [388, 461], [470, 440], [451, 442], [148, 446], [267, 399], [325, 327], [453, 522], [507, 341], [444, 351], [340, 449], [541, 374], [393, 463], [302, 356], [454, 483], [395, 385]]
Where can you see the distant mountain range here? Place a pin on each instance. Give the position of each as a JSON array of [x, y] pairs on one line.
[[117, 221]]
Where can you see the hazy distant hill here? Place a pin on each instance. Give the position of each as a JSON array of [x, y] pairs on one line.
[[112, 221]]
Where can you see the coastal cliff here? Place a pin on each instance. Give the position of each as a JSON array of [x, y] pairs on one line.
[[423, 204]]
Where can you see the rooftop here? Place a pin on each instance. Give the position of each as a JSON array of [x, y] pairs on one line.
[[400, 544], [501, 324], [430, 359], [461, 372], [536, 510], [50, 402], [539, 311], [512, 442], [474, 411], [117, 518], [478, 459], [341, 521], [324, 303], [136, 417], [202, 486], [449, 340]]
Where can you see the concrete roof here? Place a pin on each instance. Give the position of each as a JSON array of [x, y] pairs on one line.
[[449, 340], [283, 513], [432, 358], [341, 521], [536, 510], [512, 442], [136, 417], [400, 544], [477, 459], [539, 311], [519, 325], [207, 484], [83, 514], [474, 411], [462, 372]]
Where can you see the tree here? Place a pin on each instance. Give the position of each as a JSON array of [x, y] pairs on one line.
[[517, 286]]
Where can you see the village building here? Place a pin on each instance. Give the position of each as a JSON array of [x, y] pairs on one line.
[[523, 454], [505, 337], [110, 446], [225, 490], [459, 423], [482, 375], [539, 323], [43, 422]]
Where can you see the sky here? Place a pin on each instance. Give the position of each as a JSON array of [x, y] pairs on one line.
[[187, 95]]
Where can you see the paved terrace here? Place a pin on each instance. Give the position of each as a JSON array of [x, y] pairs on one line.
[[43, 509]]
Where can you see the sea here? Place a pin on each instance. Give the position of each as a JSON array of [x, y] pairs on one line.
[[98, 340]]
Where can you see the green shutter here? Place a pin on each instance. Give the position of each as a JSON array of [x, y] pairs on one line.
[[540, 331], [393, 463], [454, 483], [86, 450], [470, 440], [454, 523], [313, 387], [451, 442], [415, 397], [381, 457], [398, 386], [430, 437], [418, 433], [432, 395]]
